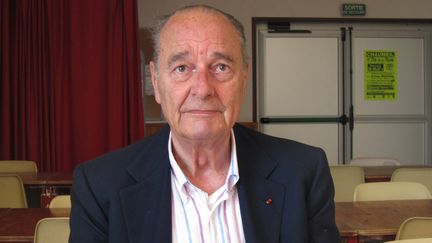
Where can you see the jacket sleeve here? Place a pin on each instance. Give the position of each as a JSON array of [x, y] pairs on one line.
[[321, 208], [88, 221]]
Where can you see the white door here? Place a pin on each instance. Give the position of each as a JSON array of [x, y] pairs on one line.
[[390, 95], [295, 102]]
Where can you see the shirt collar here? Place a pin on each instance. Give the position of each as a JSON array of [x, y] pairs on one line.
[[181, 180]]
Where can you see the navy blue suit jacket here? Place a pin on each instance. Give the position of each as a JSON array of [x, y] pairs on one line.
[[125, 196]]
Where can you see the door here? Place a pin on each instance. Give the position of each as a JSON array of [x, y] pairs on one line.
[[390, 90], [297, 103], [313, 87]]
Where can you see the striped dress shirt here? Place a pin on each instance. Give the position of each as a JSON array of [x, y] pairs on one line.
[[201, 218]]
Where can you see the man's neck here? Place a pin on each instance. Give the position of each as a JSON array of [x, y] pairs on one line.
[[204, 164]]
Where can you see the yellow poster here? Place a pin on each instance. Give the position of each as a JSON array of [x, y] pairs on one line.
[[380, 75]]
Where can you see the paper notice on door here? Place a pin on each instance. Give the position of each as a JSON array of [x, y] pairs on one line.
[[380, 75]]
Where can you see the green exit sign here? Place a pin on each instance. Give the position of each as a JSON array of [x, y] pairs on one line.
[[349, 9]]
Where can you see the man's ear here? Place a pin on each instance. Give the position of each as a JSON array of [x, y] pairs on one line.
[[154, 78]]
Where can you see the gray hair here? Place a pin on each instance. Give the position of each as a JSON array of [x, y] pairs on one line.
[[160, 24]]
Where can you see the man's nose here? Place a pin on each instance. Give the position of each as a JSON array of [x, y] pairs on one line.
[[202, 85]]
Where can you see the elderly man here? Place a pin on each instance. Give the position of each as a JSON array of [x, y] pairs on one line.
[[203, 178]]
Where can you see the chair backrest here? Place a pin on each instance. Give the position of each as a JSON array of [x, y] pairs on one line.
[[421, 175], [374, 161], [416, 227], [381, 191], [16, 166], [52, 230], [61, 201], [345, 179], [419, 240], [12, 194]]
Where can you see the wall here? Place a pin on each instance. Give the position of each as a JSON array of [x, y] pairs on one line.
[[244, 10]]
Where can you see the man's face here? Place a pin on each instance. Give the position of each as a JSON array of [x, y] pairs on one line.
[[201, 77]]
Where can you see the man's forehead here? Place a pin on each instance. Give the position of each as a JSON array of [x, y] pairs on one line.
[[199, 41], [186, 52], [194, 46]]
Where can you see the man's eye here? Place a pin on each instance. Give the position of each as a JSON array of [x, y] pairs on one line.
[[180, 69], [221, 67]]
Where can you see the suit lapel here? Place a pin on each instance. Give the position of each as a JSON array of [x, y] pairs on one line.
[[261, 199], [147, 204]]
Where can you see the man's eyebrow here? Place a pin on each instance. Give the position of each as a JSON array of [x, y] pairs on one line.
[[177, 56], [221, 55]]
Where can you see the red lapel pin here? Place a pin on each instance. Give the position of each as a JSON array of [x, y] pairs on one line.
[[268, 201]]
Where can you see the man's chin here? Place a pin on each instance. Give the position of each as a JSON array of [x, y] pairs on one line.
[[205, 131]]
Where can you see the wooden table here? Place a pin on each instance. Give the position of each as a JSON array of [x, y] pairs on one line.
[[46, 178], [42, 186], [377, 220], [384, 173], [18, 224]]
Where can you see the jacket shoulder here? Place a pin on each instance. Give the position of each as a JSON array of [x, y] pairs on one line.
[[110, 171]]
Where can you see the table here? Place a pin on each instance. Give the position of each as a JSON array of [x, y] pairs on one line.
[[18, 224], [42, 186], [377, 220], [46, 178], [383, 173]]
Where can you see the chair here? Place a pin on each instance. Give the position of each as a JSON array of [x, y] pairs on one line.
[[52, 230], [12, 194], [345, 179], [421, 175], [17, 166], [419, 240], [381, 191], [415, 227], [60, 201], [374, 161]]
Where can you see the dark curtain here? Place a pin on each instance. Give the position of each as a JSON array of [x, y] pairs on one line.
[[70, 80]]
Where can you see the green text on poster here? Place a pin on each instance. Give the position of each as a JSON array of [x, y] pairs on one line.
[[380, 75]]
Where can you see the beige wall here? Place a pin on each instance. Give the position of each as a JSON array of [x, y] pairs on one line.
[[244, 10]]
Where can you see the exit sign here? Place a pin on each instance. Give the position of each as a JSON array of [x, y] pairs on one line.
[[349, 9]]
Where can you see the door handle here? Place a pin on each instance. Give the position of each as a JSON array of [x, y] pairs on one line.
[[341, 119]]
